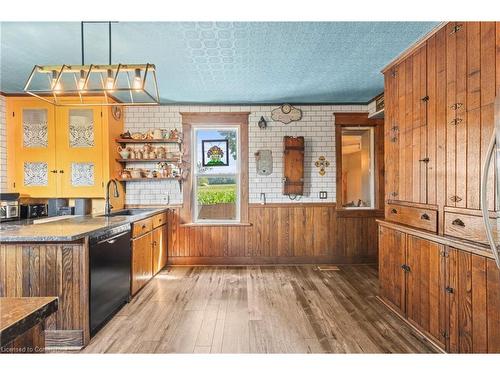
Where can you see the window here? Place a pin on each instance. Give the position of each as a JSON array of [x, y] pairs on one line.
[[358, 172], [216, 174]]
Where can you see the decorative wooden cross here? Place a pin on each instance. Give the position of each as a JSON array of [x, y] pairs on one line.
[[322, 163]]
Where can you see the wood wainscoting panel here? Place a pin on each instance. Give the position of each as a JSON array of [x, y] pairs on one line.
[[51, 270], [278, 233]]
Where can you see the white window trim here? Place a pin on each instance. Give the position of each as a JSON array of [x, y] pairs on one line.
[[195, 174], [372, 165]]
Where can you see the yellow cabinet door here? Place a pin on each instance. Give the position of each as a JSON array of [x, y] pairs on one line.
[[34, 159], [80, 152]]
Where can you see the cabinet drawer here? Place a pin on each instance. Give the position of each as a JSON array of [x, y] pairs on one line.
[[142, 226], [159, 220], [412, 216], [467, 227]]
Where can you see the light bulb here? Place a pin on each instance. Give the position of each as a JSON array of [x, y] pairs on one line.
[[55, 85], [81, 81], [110, 81], [137, 83]]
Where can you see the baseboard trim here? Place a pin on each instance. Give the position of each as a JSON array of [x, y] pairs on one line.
[[233, 261]]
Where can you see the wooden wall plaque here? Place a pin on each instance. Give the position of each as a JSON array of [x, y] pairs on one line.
[[293, 165]]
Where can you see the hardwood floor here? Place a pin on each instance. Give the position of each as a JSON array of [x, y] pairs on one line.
[[258, 309]]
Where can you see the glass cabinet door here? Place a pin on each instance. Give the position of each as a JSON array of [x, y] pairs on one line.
[[34, 159], [80, 152]]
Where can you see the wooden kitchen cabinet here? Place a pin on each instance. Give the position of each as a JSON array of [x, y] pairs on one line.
[[392, 254], [149, 249], [439, 117], [473, 287], [425, 287], [450, 295], [79, 149], [456, 117], [31, 159], [61, 151], [159, 248], [142, 261]]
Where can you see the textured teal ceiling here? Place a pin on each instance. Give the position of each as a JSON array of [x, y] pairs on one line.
[[212, 62]]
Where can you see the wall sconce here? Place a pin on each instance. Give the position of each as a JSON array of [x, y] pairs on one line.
[[262, 123]]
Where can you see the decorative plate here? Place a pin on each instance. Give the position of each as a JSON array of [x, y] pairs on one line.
[[286, 113]]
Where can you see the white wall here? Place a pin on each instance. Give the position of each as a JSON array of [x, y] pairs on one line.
[[3, 146], [317, 126]]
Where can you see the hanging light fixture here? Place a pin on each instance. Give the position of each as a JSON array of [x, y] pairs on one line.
[[119, 84]]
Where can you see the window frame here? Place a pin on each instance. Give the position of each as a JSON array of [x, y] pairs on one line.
[[372, 166], [361, 119], [194, 185], [214, 119]]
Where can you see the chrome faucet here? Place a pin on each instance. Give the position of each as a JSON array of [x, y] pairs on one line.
[[107, 206]]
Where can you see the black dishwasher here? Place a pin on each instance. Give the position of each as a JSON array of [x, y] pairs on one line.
[[110, 262]]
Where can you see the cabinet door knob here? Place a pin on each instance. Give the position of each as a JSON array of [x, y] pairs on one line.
[[455, 198], [456, 121], [143, 226], [458, 223], [425, 217], [394, 211], [53, 171], [449, 290], [405, 267], [61, 171], [425, 160]]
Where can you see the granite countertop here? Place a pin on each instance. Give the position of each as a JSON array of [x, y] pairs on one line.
[[68, 229], [18, 315]]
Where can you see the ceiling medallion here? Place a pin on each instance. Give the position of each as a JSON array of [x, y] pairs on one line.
[[111, 84], [286, 113]]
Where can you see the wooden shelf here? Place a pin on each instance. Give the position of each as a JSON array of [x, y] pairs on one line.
[[130, 140], [147, 160], [148, 179]]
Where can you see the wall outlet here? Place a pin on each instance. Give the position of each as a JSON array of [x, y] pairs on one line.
[[323, 195]]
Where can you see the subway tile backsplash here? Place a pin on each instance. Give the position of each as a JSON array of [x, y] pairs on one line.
[[317, 126]]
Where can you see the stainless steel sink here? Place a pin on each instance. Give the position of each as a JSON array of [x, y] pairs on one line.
[[128, 212]]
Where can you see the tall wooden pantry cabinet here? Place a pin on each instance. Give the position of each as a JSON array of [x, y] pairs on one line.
[[436, 269]]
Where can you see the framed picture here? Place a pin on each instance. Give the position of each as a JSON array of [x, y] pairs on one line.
[[215, 152]]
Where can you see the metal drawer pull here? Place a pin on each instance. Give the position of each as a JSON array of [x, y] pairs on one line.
[[143, 226], [425, 217], [425, 160], [456, 121], [449, 289], [394, 211], [53, 171], [405, 267], [458, 223], [456, 106], [455, 198]]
